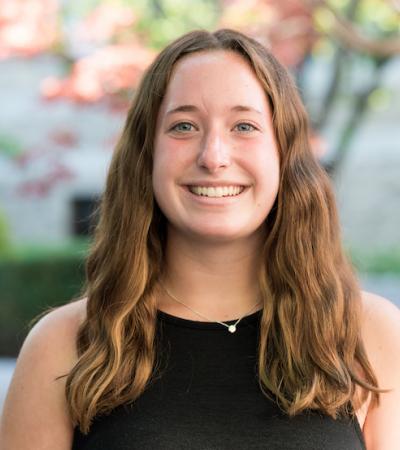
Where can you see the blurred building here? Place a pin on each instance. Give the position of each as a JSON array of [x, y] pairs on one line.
[[56, 155]]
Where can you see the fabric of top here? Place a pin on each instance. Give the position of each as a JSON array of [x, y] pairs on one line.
[[207, 398]]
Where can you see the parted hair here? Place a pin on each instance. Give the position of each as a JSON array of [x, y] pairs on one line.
[[310, 352]]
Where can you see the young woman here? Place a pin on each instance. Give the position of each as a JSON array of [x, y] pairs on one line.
[[220, 310]]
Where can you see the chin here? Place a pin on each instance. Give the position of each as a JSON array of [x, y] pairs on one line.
[[218, 235]]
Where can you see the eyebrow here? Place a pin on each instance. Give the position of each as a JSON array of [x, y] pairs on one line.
[[193, 108]]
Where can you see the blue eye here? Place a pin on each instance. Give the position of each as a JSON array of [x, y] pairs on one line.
[[182, 127], [245, 127]]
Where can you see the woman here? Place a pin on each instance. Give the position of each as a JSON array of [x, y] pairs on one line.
[[220, 310]]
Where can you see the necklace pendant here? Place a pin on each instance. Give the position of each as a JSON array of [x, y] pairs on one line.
[[232, 328]]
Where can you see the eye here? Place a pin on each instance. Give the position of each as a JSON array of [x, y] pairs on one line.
[[245, 127], [182, 127]]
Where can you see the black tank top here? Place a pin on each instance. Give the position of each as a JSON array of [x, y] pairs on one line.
[[208, 398]]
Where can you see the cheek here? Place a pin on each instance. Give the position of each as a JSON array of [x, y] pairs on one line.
[[169, 160], [267, 174], [171, 152], [269, 160], [159, 170], [271, 177], [161, 161], [262, 158]]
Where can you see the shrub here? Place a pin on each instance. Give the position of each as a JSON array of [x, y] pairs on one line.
[[28, 288]]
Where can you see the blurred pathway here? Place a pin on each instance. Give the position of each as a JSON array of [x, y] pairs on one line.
[[386, 286], [6, 370]]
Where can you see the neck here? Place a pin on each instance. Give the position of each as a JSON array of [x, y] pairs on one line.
[[219, 280]]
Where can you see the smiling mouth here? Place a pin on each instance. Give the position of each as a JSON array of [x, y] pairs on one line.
[[216, 193]]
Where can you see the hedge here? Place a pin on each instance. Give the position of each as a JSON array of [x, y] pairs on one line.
[[30, 287]]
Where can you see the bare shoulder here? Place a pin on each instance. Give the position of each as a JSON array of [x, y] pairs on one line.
[[376, 306], [380, 329], [63, 321], [35, 400], [54, 337], [381, 337]]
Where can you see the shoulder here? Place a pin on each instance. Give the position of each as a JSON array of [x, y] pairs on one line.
[[35, 400], [374, 305], [60, 323], [52, 340], [381, 337], [380, 330], [380, 325]]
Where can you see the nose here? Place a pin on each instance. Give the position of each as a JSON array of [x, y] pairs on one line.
[[214, 151]]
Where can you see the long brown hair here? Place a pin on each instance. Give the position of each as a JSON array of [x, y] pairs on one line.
[[310, 349]]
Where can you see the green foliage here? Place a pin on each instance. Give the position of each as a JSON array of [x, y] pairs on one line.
[[73, 10], [379, 99], [378, 11], [377, 262], [378, 17], [74, 248], [34, 278], [5, 246], [9, 145], [30, 287], [158, 21], [161, 21]]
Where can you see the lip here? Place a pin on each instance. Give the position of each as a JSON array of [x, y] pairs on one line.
[[216, 201], [216, 184]]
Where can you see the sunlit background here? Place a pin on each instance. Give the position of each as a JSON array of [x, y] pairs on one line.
[[68, 70]]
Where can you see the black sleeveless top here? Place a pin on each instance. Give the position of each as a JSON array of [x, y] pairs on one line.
[[207, 397]]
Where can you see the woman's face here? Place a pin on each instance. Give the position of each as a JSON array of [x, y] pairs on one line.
[[214, 130]]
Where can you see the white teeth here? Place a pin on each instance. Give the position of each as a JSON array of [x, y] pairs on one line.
[[216, 192]]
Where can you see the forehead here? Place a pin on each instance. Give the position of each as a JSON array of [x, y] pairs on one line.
[[214, 78]]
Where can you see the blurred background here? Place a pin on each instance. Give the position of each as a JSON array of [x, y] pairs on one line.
[[68, 70]]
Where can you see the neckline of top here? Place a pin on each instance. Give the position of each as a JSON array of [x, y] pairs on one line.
[[180, 321]]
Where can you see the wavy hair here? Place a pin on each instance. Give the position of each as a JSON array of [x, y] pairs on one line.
[[310, 352]]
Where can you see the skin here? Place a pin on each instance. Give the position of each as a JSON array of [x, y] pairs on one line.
[[36, 403], [212, 252]]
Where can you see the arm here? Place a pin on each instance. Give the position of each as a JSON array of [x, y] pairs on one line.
[[381, 335], [35, 414]]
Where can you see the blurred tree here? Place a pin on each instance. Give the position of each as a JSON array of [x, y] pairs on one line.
[[355, 32], [104, 45], [161, 21], [107, 44], [27, 27], [111, 44], [5, 244], [361, 32]]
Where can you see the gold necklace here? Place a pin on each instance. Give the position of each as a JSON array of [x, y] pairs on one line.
[[231, 328]]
